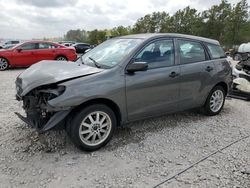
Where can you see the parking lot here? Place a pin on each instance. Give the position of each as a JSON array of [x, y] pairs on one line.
[[141, 154]]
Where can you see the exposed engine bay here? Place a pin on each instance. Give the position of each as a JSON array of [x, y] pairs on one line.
[[41, 83], [39, 113]]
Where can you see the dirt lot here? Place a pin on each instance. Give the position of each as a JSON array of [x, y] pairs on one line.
[[140, 155]]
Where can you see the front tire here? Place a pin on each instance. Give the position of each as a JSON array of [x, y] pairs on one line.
[[4, 64], [92, 127], [215, 101]]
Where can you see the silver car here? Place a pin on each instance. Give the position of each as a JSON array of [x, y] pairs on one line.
[[122, 80]]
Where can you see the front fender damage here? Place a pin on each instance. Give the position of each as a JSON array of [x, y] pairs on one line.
[[39, 114]]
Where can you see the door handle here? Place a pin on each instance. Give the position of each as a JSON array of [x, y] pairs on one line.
[[208, 69], [173, 74]]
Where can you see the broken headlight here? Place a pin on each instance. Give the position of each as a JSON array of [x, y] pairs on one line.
[[58, 90]]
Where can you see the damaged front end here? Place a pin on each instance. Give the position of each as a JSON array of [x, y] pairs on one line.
[[43, 82], [241, 83], [39, 114]]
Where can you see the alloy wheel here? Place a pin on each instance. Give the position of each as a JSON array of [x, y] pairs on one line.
[[61, 59], [3, 64], [216, 100], [95, 128]]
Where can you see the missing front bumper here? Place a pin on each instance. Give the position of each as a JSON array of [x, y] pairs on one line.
[[53, 121]]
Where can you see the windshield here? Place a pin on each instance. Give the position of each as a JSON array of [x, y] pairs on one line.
[[110, 53]]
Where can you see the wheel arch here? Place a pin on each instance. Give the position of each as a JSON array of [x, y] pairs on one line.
[[61, 55], [224, 85], [8, 61], [111, 104], [5, 58]]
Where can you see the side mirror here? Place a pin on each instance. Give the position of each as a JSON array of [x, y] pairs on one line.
[[137, 66]]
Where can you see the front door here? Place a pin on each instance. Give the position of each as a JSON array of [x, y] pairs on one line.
[[155, 91], [24, 55]]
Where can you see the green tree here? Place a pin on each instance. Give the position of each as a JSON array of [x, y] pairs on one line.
[[96, 36], [151, 23], [186, 21], [230, 24], [76, 35], [215, 20], [119, 31], [238, 24]]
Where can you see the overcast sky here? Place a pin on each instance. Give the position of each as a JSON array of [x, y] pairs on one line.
[[25, 19]]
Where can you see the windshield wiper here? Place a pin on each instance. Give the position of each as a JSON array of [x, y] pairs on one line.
[[95, 62], [80, 57]]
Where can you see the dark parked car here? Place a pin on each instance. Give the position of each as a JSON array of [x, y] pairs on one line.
[[81, 47], [122, 80], [67, 43]]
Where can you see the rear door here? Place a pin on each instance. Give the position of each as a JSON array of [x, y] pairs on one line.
[[45, 51], [196, 73], [156, 90]]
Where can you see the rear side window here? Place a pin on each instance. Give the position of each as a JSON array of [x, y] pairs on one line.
[[46, 46], [216, 51], [191, 51]]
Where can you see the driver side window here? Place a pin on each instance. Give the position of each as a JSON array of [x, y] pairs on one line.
[[29, 46], [157, 54]]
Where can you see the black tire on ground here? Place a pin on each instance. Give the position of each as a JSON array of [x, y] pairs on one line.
[[61, 58], [93, 127], [4, 64], [207, 108]]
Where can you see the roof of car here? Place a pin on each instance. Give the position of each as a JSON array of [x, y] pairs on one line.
[[146, 36], [38, 41]]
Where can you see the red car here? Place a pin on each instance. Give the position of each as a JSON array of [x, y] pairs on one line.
[[28, 53]]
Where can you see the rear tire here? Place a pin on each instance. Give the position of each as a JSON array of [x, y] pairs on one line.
[[92, 127], [215, 101], [4, 64], [61, 58]]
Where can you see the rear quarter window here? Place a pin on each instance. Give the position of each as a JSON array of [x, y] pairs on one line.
[[47, 46], [215, 51]]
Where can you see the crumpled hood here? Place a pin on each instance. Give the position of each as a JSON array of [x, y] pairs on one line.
[[48, 72]]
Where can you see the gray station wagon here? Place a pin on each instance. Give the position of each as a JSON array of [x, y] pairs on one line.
[[122, 80]]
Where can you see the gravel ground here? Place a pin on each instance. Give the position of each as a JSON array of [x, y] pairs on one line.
[[141, 154]]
